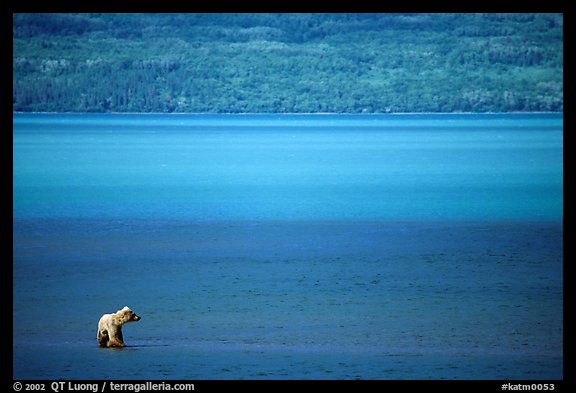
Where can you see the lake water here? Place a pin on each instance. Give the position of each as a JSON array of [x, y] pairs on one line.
[[289, 246]]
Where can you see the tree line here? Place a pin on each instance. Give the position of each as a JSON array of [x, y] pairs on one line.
[[235, 63]]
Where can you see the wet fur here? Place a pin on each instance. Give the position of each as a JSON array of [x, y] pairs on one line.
[[110, 327]]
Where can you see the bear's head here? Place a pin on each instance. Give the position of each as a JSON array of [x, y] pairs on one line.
[[127, 315]]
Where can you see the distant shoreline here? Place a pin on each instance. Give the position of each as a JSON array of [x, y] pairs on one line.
[[287, 113], [288, 63]]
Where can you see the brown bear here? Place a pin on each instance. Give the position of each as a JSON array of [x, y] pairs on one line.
[[110, 327]]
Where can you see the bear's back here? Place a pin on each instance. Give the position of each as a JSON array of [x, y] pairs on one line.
[[105, 318]]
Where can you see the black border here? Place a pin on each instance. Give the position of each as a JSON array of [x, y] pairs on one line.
[[366, 6], [309, 385], [551, 6]]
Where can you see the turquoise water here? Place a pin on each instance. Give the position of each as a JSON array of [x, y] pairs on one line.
[[289, 246], [293, 167]]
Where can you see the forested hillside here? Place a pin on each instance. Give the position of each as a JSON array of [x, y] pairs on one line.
[[230, 63]]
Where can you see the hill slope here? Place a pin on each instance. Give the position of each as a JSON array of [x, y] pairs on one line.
[[230, 63]]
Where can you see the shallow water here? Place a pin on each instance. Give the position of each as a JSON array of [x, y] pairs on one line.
[[252, 257], [331, 167]]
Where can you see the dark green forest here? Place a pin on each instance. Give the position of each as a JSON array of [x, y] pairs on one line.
[[235, 63]]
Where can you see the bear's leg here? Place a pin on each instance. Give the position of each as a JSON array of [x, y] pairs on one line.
[[116, 339], [116, 343], [103, 338]]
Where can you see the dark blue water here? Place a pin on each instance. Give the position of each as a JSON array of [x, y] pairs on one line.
[[289, 246]]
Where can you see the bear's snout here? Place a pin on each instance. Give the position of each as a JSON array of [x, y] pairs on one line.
[[137, 318]]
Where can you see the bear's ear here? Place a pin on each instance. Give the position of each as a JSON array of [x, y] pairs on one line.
[[126, 308]]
